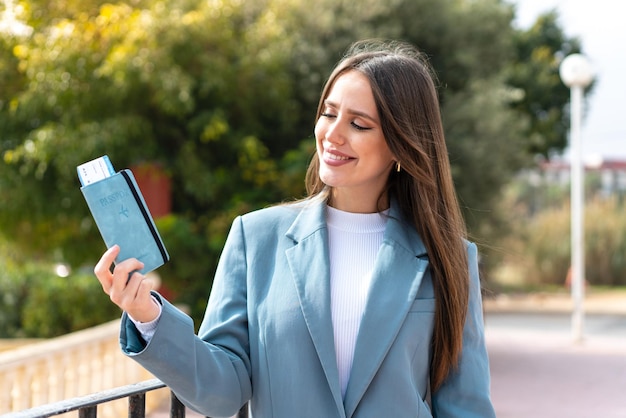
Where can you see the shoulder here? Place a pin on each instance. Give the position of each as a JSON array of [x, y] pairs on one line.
[[272, 216], [277, 213], [472, 248], [277, 220]]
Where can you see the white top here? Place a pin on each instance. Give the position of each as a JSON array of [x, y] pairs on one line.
[[354, 241]]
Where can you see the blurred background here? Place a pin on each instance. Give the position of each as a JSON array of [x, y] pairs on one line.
[[212, 105]]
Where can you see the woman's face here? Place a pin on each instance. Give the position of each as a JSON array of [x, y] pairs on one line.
[[354, 157]]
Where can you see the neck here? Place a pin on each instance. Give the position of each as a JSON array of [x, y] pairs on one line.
[[357, 202]]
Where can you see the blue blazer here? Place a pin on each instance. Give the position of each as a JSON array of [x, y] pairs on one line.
[[267, 335]]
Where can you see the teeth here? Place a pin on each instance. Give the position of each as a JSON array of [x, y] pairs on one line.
[[337, 157]]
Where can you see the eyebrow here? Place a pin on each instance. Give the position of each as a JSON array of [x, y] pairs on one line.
[[352, 111]]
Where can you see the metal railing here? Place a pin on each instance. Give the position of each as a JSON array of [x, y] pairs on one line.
[[87, 406]]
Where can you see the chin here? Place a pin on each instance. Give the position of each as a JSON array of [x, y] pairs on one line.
[[328, 177]]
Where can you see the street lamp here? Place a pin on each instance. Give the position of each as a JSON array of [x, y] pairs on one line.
[[576, 73]]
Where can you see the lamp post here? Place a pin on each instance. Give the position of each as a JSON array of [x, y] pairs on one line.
[[576, 73]]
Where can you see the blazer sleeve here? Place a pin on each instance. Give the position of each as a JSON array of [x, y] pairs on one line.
[[466, 392], [209, 373]]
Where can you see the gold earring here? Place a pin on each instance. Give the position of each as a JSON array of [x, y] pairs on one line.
[[398, 166]]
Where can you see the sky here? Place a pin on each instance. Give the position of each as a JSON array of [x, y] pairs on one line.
[[599, 26]]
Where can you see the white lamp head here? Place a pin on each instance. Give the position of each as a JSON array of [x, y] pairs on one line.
[[575, 70]]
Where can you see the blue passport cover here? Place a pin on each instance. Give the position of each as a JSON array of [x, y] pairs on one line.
[[123, 218]]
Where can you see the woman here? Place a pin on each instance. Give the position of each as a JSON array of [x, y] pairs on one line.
[[362, 300]]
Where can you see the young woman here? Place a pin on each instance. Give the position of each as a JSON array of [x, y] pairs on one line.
[[362, 300]]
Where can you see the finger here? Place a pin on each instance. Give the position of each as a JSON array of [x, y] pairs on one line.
[[135, 296], [144, 287], [102, 270], [143, 307], [124, 272], [124, 287]]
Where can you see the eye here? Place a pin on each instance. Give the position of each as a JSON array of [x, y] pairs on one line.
[[326, 114], [359, 127]]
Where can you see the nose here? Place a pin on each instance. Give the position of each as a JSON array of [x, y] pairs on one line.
[[334, 132]]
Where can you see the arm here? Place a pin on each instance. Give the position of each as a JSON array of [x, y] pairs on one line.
[[209, 375], [204, 376], [466, 392]]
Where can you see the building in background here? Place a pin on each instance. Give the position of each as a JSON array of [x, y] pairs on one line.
[[609, 173]]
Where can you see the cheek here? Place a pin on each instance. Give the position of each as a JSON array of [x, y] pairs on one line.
[[318, 128], [384, 151], [376, 150], [319, 135]]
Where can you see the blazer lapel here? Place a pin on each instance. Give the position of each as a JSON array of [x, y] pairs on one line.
[[398, 272], [308, 261]]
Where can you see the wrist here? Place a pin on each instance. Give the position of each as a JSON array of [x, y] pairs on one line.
[[149, 314]]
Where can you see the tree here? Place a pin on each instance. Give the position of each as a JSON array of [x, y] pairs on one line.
[[535, 72], [144, 84]]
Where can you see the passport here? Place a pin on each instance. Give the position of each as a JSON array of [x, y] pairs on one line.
[[123, 218]]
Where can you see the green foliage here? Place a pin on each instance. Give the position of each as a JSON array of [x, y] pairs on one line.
[[191, 262], [538, 245], [605, 242], [36, 302], [59, 305], [15, 281], [222, 94], [547, 240], [473, 137], [535, 74]]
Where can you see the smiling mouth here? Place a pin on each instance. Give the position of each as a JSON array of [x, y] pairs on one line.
[[336, 157], [336, 160]]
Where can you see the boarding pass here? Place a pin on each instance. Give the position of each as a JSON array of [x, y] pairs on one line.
[[95, 170]]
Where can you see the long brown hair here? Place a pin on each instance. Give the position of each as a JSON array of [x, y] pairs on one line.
[[408, 106]]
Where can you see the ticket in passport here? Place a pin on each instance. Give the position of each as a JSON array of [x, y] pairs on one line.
[[95, 170]]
